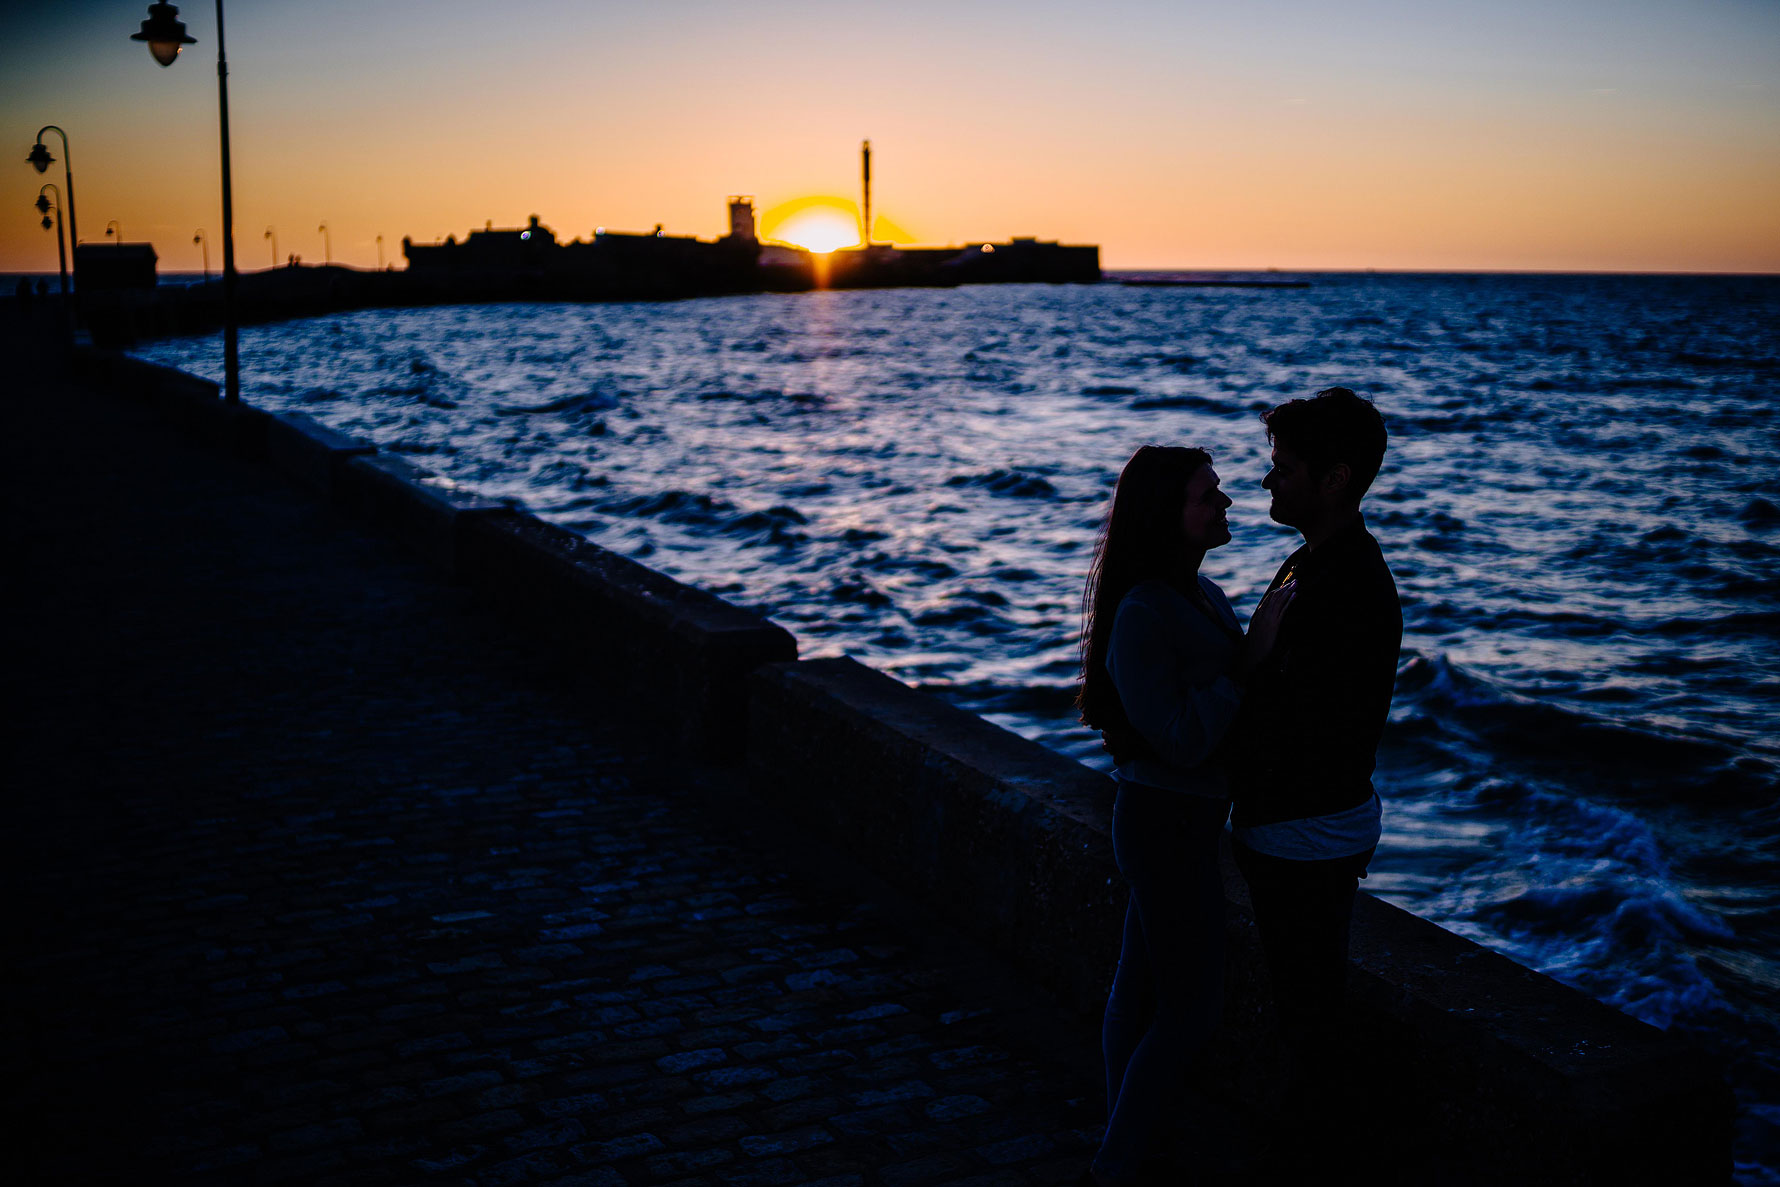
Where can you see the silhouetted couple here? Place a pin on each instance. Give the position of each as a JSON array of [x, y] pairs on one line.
[[1283, 723]]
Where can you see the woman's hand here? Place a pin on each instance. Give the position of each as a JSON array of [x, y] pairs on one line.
[[1263, 630]]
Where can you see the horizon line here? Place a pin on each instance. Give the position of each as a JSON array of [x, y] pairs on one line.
[[1267, 270]]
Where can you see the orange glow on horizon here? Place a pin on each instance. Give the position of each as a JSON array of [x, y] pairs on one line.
[[820, 228], [824, 223]]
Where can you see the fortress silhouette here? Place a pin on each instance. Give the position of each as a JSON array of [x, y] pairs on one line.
[[653, 264]]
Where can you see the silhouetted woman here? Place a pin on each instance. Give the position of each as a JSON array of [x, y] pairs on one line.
[[1162, 654]]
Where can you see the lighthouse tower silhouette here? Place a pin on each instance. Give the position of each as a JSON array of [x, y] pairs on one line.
[[865, 207]]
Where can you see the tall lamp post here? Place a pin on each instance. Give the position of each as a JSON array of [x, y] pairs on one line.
[[166, 36], [44, 206], [379, 253], [41, 161], [199, 239], [327, 244]]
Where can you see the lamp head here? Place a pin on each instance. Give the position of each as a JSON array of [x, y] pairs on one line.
[[46, 223], [164, 32], [40, 158], [42, 204]]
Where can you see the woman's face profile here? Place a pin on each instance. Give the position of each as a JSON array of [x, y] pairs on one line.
[[1203, 525]]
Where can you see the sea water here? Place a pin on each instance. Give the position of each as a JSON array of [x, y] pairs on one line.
[[1582, 765]]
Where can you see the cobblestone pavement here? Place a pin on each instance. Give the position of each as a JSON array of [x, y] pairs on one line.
[[324, 878]]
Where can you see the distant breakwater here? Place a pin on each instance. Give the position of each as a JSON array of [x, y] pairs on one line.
[[650, 269], [120, 318], [1508, 1072]]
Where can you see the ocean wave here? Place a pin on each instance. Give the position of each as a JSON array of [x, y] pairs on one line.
[[765, 395], [598, 401], [772, 525], [420, 393], [1618, 945], [1757, 623], [675, 506], [972, 616], [1607, 913], [1689, 358], [1180, 362], [921, 566], [1189, 403], [1578, 384], [1593, 752], [1761, 512], [988, 696], [569, 475], [420, 448], [857, 589], [1461, 423], [1633, 913], [425, 384], [1014, 483], [1571, 624]]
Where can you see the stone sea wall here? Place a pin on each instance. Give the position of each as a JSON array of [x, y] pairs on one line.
[[1452, 1045]]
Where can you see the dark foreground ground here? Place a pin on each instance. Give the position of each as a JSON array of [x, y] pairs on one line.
[[321, 876]]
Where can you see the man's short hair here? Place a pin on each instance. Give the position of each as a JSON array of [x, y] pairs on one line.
[[1336, 426]]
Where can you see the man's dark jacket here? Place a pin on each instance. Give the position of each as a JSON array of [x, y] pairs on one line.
[[1306, 739]]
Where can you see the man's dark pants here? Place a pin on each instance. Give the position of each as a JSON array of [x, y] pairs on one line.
[[1304, 910]]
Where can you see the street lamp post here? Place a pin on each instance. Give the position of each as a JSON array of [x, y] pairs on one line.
[[41, 161], [327, 244], [379, 253], [44, 206], [165, 34], [272, 234], [199, 239], [114, 231]]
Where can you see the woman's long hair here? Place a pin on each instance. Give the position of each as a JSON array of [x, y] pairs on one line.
[[1140, 539]]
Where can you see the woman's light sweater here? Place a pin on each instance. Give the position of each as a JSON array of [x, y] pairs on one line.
[[1168, 660]]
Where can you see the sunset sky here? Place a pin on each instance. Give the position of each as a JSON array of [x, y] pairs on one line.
[[1391, 134]]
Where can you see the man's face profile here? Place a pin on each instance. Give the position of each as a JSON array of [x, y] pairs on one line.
[[1295, 500]]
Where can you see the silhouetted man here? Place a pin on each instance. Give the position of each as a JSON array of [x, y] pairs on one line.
[[1306, 818]]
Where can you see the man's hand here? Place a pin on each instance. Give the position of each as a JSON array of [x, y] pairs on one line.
[[1263, 630]]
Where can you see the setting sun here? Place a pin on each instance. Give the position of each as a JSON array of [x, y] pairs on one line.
[[825, 224], [817, 224]]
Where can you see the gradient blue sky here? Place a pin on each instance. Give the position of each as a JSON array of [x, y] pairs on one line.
[[1634, 134]]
